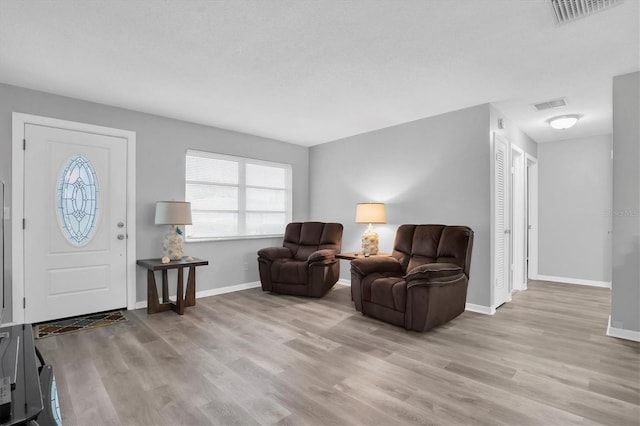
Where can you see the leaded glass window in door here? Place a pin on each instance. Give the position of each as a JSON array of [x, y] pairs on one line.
[[78, 200]]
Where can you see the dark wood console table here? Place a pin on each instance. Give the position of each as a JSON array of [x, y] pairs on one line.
[[183, 298]]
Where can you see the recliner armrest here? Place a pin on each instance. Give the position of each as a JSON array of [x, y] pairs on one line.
[[434, 274], [325, 256], [433, 270], [273, 253], [369, 265]]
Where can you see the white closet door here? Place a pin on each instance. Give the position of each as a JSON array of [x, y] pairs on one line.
[[501, 223]]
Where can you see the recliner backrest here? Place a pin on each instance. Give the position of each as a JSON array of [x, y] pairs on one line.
[[304, 238], [417, 245]]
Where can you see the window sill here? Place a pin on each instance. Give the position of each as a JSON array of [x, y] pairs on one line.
[[233, 238]]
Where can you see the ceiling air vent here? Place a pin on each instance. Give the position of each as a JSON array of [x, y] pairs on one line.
[[569, 10], [553, 103]]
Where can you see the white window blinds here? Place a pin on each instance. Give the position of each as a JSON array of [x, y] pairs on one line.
[[236, 197]]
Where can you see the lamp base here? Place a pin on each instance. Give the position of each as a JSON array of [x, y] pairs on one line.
[[369, 242], [172, 244]]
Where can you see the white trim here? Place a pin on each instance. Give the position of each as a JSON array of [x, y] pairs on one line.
[[344, 281], [19, 120], [622, 333], [213, 292], [480, 309], [579, 281]]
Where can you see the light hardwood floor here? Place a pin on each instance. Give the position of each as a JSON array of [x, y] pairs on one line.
[[255, 358]]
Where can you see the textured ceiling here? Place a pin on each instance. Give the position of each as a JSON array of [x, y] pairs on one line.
[[314, 71]]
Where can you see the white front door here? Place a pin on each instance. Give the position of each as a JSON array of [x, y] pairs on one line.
[[75, 210]]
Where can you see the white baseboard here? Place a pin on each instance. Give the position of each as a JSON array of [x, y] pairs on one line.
[[344, 281], [579, 281], [228, 289], [622, 333], [480, 309], [213, 292]]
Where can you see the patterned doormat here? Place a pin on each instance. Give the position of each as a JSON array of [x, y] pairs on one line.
[[85, 322]]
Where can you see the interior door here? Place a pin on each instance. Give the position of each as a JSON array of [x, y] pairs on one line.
[[75, 192], [501, 266]]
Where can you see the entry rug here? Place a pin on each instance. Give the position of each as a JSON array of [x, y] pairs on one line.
[[85, 322]]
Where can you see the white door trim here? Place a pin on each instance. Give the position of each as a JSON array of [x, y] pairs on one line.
[[19, 121], [518, 219]]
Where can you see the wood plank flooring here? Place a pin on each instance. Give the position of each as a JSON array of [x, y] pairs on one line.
[[250, 358]]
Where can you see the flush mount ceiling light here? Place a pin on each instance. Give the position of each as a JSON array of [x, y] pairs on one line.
[[563, 122]]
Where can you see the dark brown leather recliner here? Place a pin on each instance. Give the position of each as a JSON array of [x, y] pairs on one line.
[[424, 282], [305, 265]]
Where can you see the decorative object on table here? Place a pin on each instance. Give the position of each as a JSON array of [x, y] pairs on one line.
[[84, 322], [165, 259], [370, 213], [173, 213]]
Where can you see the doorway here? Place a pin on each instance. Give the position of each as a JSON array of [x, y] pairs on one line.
[[519, 220], [531, 186], [515, 220]]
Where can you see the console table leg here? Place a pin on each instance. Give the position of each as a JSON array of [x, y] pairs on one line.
[[165, 287], [152, 294], [180, 292], [190, 299]]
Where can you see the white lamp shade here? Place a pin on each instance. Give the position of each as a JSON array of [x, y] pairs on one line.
[[370, 213], [173, 213]]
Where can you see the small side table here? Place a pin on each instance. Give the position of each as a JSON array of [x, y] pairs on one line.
[[182, 299], [358, 255]]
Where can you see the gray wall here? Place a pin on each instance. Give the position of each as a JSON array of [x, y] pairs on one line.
[[161, 148], [575, 178], [625, 286], [434, 170]]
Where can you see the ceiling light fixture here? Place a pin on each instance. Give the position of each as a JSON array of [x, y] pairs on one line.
[[563, 122]]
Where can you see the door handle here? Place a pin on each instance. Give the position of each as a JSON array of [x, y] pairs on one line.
[[120, 237]]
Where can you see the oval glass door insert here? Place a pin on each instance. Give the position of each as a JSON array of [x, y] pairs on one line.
[[78, 200]]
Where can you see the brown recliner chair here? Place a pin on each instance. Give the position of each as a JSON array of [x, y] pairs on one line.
[[424, 282], [305, 265]]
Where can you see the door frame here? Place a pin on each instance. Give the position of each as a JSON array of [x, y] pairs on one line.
[[531, 177], [518, 221], [19, 121]]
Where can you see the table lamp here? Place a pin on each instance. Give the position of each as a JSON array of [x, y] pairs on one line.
[[370, 213], [173, 213]]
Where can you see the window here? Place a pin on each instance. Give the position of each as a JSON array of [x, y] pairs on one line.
[[235, 197]]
